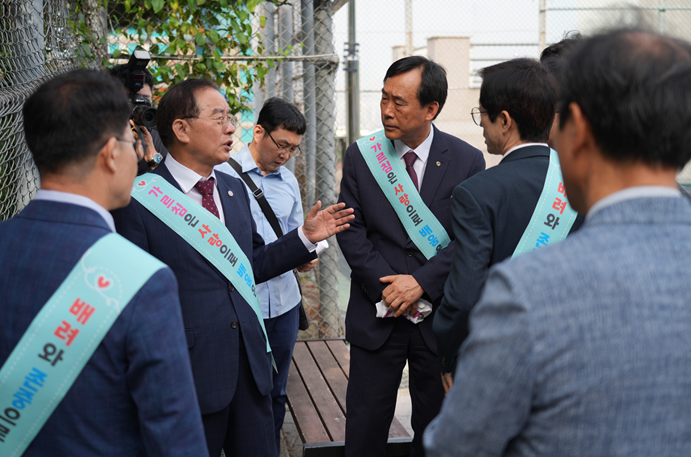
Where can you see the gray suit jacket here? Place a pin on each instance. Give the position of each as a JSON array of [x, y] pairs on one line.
[[581, 348]]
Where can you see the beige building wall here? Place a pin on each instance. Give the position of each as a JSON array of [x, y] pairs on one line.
[[453, 53]]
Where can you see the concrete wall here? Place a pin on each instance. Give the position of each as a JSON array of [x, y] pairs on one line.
[[453, 53]]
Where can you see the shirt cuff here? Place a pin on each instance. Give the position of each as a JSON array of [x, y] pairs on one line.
[[308, 244]]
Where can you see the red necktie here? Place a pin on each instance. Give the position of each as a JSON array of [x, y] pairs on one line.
[[206, 188], [410, 158]]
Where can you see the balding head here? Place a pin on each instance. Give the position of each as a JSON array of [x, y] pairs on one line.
[[634, 88]]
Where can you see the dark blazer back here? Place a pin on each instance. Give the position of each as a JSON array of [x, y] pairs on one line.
[[491, 212], [134, 395]]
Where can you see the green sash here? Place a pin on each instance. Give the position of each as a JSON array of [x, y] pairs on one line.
[[211, 238], [421, 225], [553, 216], [64, 335]]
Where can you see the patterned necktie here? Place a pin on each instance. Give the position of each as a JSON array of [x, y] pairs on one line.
[[410, 157], [206, 188]]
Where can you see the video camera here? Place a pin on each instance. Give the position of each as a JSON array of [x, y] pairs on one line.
[[142, 112]]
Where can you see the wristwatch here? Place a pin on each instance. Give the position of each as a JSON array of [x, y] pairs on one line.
[[155, 160]]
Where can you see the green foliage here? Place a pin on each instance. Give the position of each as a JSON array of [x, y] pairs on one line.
[[200, 31]]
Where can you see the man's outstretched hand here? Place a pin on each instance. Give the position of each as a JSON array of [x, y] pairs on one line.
[[319, 225]]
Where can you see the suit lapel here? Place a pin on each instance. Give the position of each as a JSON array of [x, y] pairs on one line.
[[437, 164], [227, 202]]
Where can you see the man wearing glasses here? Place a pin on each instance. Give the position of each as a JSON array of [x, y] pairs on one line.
[[492, 210], [276, 139], [135, 394], [218, 257]]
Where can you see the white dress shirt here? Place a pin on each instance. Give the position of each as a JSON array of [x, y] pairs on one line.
[[523, 145], [74, 199], [187, 178], [422, 153]]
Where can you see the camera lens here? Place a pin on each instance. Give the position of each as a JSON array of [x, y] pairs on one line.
[[144, 115]]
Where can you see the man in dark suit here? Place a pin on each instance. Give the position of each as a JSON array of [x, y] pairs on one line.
[[135, 396], [386, 265], [492, 210], [232, 370]]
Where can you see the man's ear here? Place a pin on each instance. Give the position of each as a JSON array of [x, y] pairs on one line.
[[181, 129], [583, 139], [258, 133], [107, 156], [432, 110], [506, 121]]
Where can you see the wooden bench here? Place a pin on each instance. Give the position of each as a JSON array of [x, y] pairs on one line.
[[316, 392]]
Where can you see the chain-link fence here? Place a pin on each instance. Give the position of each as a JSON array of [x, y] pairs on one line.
[[35, 44], [307, 77], [464, 37], [467, 36], [300, 33]]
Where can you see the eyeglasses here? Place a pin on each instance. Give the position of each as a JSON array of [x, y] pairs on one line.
[[476, 114], [290, 149], [224, 120], [135, 145]]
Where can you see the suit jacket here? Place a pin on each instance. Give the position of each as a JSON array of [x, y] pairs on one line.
[[377, 245], [214, 313], [135, 394], [581, 348], [490, 213]]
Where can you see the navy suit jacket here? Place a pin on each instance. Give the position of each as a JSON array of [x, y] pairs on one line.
[[135, 396], [214, 313], [377, 245], [490, 213]]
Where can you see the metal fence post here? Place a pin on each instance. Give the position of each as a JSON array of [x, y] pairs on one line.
[[30, 52], [332, 325], [310, 138]]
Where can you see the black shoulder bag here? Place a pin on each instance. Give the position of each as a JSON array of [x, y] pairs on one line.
[[273, 221]]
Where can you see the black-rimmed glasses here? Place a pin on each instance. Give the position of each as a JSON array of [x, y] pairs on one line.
[[290, 150]]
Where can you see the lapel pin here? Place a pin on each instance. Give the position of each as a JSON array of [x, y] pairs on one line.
[[230, 192], [439, 164]]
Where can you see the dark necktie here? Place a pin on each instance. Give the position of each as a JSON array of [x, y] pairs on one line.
[[206, 188], [410, 158]]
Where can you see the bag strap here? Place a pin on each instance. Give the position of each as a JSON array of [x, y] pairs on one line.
[[259, 196]]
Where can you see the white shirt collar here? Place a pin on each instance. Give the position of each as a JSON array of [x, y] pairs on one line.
[[524, 145], [422, 151], [185, 177], [74, 199], [631, 193]]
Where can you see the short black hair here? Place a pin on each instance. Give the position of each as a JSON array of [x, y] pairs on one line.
[[434, 86], [278, 113], [554, 57], [120, 72], [633, 87], [561, 49], [525, 89], [179, 102], [68, 117]]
